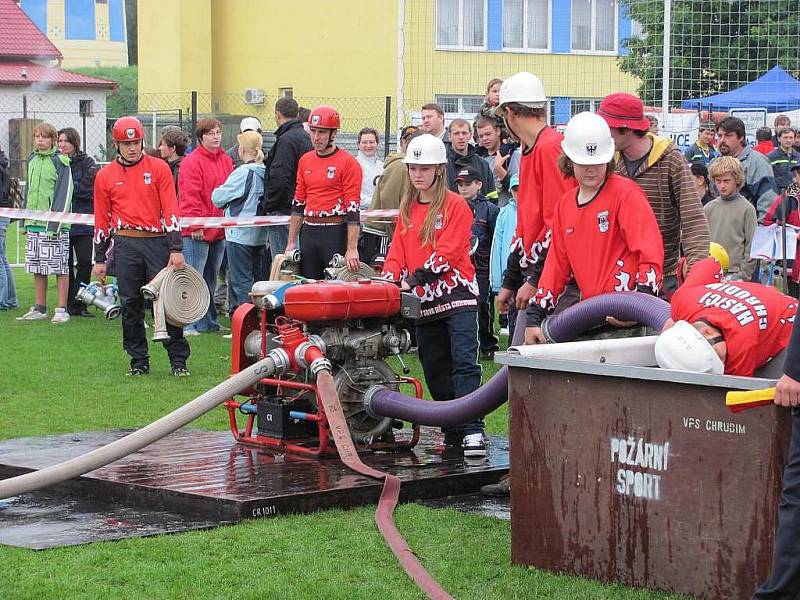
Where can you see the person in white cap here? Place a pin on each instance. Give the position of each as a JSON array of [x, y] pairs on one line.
[[430, 257], [604, 234], [523, 105], [246, 124]]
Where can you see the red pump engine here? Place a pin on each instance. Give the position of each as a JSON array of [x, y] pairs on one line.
[[358, 325]]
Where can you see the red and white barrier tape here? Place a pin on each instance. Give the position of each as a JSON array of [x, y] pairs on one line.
[[205, 222]]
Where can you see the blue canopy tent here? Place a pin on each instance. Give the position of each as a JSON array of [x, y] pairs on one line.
[[776, 90]]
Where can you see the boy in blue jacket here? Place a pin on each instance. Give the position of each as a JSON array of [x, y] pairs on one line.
[[501, 247]]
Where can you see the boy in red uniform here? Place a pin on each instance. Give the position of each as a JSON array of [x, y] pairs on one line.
[[430, 257], [134, 199], [541, 184], [746, 325], [604, 232], [326, 200]]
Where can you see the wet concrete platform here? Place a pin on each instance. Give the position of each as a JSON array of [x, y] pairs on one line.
[[194, 479]]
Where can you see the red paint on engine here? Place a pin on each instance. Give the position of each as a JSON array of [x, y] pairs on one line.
[[340, 301]]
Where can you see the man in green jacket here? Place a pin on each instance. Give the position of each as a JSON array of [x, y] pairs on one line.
[[49, 188]]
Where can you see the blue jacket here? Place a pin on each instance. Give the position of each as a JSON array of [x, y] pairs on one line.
[[239, 196], [759, 184], [504, 229]]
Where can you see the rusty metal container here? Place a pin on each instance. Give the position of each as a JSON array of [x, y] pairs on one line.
[[641, 476]]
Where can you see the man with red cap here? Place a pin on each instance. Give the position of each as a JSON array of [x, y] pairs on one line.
[[657, 165], [135, 206], [325, 210]]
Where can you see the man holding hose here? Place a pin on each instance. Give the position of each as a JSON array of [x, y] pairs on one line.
[[134, 199]]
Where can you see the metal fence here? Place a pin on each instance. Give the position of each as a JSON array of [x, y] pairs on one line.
[[184, 110]]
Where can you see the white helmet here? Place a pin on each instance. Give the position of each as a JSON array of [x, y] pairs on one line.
[[524, 88], [426, 149], [587, 140], [683, 348]]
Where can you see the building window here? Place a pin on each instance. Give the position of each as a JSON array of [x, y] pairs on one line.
[[526, 24], [578, 105], [459, 105], [461, 24], [85, 108], [594, 25], [286, 92]]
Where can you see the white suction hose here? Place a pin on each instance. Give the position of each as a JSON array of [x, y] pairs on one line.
[[275, 362], [635, 351]]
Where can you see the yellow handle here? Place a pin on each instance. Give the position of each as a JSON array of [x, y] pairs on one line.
[[739, 401]]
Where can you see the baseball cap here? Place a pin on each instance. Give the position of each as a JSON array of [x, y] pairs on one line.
[[467, 174], [699, 168], [624, 111], [249, 123], [514, 181], [408, 130]]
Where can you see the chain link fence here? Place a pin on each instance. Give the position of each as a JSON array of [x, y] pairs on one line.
[[184, 110]]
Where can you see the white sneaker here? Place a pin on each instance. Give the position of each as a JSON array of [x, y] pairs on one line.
[[474, 444], [227, 336], [504, 331], [61, 316], [32, 315]]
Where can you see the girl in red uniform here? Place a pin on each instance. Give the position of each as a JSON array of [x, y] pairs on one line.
[[429, 256], [605, 234]]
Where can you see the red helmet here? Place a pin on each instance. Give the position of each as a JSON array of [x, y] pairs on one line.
[[127, 129], [324, 117]]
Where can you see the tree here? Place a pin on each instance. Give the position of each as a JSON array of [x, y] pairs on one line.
[[124, 100], [716, 45]]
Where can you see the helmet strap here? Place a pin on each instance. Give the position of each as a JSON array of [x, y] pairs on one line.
[[124, 162]]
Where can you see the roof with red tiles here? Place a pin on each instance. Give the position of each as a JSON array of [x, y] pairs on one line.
[[19, 36], [27, 73]]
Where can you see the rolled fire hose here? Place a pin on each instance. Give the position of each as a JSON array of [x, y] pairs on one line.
[[629, 306], [180, 297], [267, 367]]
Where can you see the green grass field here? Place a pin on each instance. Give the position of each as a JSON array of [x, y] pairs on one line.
[[71, 377]]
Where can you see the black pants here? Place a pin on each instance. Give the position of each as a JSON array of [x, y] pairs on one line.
[[372, 248], [784, 581], [80, 267], [318, 244], [137, 261], [488, 341], [448, 351]]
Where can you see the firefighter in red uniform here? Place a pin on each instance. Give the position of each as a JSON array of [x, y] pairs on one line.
[[134, 200], [429, 256], [325, 210], [604, 234], [736, 328], [523, 105]]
